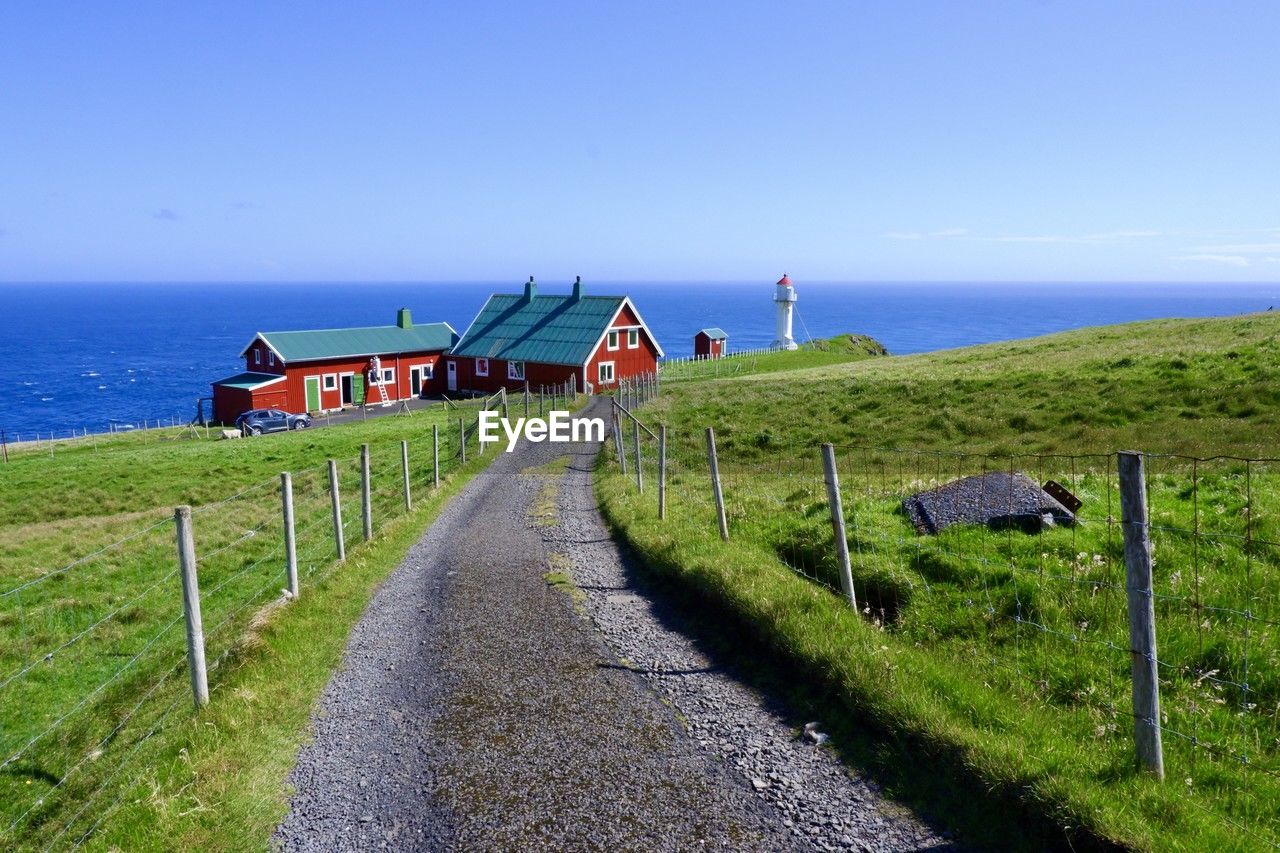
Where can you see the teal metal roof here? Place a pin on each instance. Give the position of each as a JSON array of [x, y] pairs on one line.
[[714, 333], [367, 341], [546, 329], [249, 381]]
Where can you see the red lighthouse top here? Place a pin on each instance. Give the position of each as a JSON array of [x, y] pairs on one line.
[[786, 282]]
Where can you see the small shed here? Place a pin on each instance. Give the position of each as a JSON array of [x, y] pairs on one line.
[[710, 343]]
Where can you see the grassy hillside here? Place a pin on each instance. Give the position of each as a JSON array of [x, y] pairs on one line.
[[824, 352], [97, 734], [1000, 658]]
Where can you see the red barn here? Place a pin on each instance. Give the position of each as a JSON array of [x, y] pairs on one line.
[[325, 370], [710, 343], [545, 340]]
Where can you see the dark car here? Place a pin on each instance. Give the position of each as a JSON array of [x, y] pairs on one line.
[[258, 421]]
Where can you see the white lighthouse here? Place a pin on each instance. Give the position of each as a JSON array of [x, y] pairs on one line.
[[784, 296]]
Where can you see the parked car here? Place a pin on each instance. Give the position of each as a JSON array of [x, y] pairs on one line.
[[258, 421]]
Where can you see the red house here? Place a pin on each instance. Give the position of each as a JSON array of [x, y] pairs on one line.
[[710, 343], [325, 370], [546, 340]]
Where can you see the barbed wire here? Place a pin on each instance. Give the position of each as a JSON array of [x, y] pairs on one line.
[[79, 561]]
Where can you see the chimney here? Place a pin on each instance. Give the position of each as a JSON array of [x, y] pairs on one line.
[[577, 288], [530, 290], [403, 319]]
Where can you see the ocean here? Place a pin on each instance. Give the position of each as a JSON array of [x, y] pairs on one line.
[[87, 356]]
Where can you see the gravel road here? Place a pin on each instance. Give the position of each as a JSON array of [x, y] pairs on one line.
[[485, 703]]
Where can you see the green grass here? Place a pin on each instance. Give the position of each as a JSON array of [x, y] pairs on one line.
[[1000, 655], [103, 728], [825, 352]]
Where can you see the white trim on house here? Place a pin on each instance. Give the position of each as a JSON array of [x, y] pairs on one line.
[[327, 378], [512, 373], [633, 331], [270, 380], [482, 360], [266, 343], [600, 378], [614, 338], [626, 303]]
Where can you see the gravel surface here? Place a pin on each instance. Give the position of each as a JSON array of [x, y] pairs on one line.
[[485, 704]]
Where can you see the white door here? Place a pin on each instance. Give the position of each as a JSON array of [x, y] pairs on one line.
[[415, 382], [452, 368]]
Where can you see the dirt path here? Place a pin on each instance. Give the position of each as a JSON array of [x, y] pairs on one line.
[[480, 706]]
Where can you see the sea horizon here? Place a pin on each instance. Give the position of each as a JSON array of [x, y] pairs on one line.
[[119, 353]]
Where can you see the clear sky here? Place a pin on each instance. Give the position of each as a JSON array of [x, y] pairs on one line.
[[640, 141]]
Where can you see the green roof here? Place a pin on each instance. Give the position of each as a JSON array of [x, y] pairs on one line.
[[714, 333], [249, 381], [545, 329], [367, 341]]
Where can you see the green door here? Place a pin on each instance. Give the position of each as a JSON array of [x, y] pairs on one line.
[[313, 393], [357, 389]]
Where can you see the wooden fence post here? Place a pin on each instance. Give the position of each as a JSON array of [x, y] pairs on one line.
[[715, 484], [635, 431], [526, 400], [191, 606], [336, 499], [462, 440], [366, 497], [837, 522], [662, 471], [435, 455], [404, 473], [1142, 613], [617, 444], [290, 539]]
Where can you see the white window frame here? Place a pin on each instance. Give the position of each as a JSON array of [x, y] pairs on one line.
[[427, 371], [257, 355], [611, 340], [271, 358], [603, 380], [330, 382], [633, 338], [513, 372], [388, 376], [482, 367]]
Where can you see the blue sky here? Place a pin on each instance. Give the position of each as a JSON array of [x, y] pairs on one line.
[[640, 141]]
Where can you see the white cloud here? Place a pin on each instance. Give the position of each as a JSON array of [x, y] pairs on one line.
[[1229, 260], [1241, 249], [949, 232], [1075, 240]]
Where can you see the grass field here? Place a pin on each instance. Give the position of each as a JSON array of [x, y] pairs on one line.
[[1002, 655], [824, 352], [98, 740]]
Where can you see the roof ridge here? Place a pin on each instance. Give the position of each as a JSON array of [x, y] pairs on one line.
[[356, 328]]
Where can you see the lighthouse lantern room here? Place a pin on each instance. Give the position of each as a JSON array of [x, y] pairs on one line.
[[784, 297]]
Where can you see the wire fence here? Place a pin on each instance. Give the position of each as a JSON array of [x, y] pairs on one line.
[[94, 666], [970, 557]]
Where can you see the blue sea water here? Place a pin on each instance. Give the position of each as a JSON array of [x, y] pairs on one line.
[[75, 356]]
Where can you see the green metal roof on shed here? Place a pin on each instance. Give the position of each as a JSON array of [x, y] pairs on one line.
[[359, 342], [714, 333], [249, 381], [541, 329]]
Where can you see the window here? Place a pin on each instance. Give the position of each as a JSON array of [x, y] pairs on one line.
[[271, 359], [428, 371], [515, 370], [482, 367], [330, 381], [388, 376], [605, 372], [257, 356], [613, 339], [633, 338]]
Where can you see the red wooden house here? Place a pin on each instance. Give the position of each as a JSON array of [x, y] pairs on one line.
[[325, 370], [545, 340], [710, 343]]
